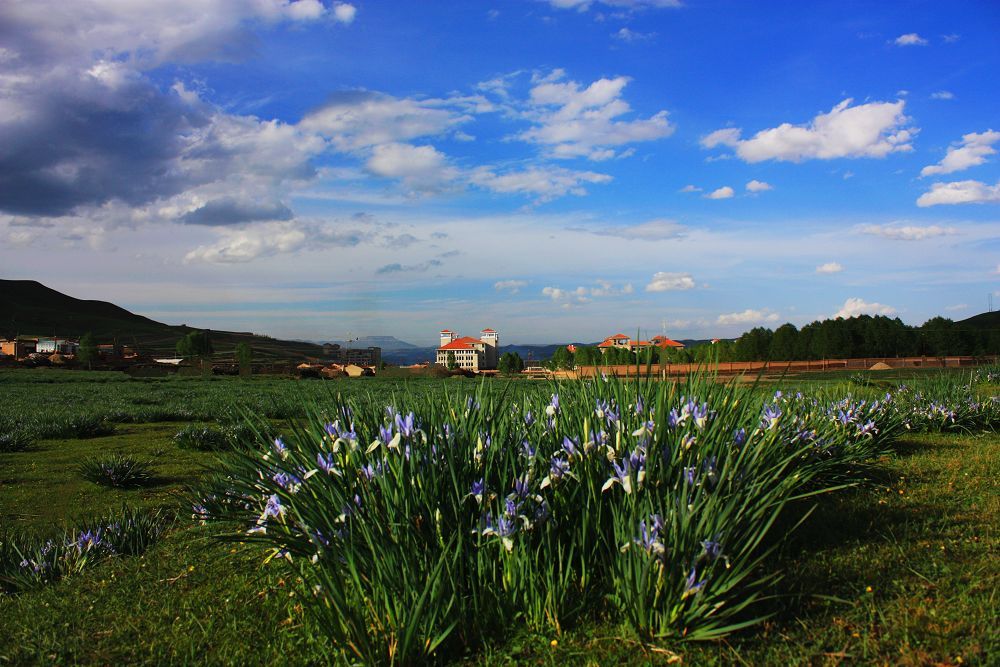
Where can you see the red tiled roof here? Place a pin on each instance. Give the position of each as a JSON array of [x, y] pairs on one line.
[[488, 331], [616, 337], [464, 343], [446, 331]]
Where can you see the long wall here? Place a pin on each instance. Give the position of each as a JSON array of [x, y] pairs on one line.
[[737, 367]]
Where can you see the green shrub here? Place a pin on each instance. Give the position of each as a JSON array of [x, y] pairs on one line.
[[203, 438]]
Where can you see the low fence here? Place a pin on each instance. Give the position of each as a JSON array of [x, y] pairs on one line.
[[779, 367]]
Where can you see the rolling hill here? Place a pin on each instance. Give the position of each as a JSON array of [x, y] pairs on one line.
[[28, 307]]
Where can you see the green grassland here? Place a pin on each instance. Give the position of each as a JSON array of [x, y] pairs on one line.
[[899, 570]]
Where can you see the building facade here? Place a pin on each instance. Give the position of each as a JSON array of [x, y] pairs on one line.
[[361, 356], [469, 353], [624, 342]]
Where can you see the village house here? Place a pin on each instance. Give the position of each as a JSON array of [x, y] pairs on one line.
[[367, 356], [624, 342], [469, 353], [56, 346], [18, 347]]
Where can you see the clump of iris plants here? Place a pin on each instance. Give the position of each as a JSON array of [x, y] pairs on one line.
[[425, 528], [121, 471], [28, 561]]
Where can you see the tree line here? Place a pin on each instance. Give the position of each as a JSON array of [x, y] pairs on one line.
[[855, 337]]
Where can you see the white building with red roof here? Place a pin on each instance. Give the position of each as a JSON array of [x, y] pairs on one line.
[[474, 354]]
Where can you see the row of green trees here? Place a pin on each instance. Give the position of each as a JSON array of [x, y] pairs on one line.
[[864, 336], [856, 337]]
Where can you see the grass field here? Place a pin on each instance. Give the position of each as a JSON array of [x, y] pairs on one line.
[[901, 570]]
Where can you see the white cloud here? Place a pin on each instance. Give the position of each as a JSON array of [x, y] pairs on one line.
[[910, 39], [419, 167], [690, 188], [957, 306], [748, 316], [543, 182], [972, 151], [960, 192], [273, 238], [668, 282], [584, 5], [344, 12], [855, 306], [512, 286], [725, 192], [758, 186], [829, 267], [572, 121], [943, 95], [360, 119], [652, 230], [583, 294], [630, 36], [874, 129], [907, 232]]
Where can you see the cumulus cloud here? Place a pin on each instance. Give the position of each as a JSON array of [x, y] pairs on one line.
[[874, 129], [747, 317], [273, 238], [82, 125], [230, 211], [421, 267], [725, 192], [910, 39], [943, 95], [359, 119], [512, 286], [960, 192], [627, 35], [574, 121], [664, 281], [344, 12], [907, 232], [971, 151], [584, 5], [758, 186], [829, 267], [856, 306], [584, 294], [690, 188], [418, 167], [543, 182], [652, 230]]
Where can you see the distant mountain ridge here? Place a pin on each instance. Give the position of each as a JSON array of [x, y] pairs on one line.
[[28, 307]]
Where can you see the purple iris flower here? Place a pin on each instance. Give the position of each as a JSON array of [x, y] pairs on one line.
[[274, 509], [739, 437], [770, 417], [712, 549], [325, 462], [529, 419], [478, 489], [689, 475], [692, 585], [385, 433], [280, 448], [527, 450], [521, 487], [570, 446], [639, 406], [405, 425], [558, 467]]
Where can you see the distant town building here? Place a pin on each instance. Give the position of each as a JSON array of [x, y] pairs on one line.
[[19, 347], [360, 356], [56, 345], [624, 342], [469, 353]]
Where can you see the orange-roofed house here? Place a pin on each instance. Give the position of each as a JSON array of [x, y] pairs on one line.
[[626, 343], [472, 354]]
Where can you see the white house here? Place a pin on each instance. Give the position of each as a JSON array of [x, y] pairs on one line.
[[469, 353]]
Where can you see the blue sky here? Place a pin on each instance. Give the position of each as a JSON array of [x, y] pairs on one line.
[[555, 169]]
